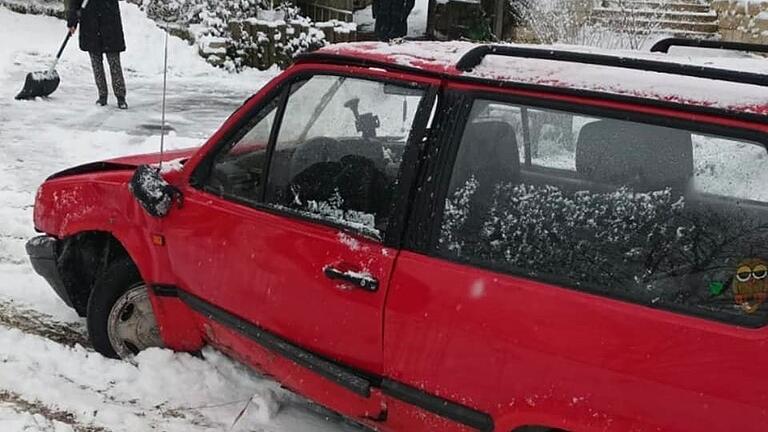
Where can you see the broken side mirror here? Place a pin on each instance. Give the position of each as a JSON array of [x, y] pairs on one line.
[[152, 191]]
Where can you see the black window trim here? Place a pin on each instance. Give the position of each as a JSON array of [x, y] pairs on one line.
[[408, 168], [447, 152]]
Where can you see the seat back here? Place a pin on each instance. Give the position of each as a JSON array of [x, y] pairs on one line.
[[489, 152], [644, 157]]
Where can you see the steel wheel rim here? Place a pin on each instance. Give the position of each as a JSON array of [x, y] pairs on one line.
[[131, 325]]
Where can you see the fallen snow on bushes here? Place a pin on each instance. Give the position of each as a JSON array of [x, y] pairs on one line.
[[50, 380]]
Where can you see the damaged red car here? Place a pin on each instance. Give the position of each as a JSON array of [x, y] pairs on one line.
[[452, 237]]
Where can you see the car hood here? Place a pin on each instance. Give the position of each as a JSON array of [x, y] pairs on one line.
[[127, 162]]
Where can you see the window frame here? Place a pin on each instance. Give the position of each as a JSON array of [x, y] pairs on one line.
[[444, 157], [407, 172]]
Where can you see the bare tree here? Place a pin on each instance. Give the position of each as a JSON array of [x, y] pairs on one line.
[[601, 23]]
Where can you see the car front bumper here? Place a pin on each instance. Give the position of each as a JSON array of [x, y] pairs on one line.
[[43, 253]]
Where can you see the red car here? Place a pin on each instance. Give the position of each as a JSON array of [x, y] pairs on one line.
[[452, 237]]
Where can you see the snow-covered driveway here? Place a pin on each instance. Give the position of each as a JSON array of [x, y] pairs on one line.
[[50, 380]]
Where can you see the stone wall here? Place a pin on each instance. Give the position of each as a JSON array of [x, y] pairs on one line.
[[328, 10], [262, 44], [743, 20]]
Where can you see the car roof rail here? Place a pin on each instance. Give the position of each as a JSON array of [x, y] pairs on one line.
[[664, 45], [476, 55]]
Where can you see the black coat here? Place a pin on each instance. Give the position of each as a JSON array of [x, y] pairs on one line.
[[101, 28], [392, 17]]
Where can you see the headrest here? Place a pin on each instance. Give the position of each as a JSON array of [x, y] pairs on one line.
[[643, 156], [491, 146]]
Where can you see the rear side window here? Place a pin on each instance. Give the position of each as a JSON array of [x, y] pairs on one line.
[[660, 216]]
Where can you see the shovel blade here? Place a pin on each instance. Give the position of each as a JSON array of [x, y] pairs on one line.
[[39, 84]]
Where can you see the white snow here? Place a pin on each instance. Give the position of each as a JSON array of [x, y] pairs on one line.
[[49, 381], [697, 91], [417, 20]]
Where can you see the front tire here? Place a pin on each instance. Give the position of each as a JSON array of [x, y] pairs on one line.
[[121, 322]]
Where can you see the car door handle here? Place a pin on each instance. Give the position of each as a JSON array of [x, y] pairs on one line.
[[362, 280]]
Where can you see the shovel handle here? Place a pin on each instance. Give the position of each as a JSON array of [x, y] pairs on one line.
[[66, 40], [64, 45], [61, 50]]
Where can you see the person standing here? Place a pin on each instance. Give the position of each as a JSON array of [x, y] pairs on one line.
[[101, 34], [392, 18]]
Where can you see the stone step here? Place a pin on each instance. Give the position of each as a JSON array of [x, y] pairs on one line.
[[678, 5], [659, 14], [660, 25]]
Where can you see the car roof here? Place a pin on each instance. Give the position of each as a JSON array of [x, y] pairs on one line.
[[713, 95]]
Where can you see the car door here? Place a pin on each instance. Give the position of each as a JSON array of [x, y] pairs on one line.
[[294, 218], [588, 272]]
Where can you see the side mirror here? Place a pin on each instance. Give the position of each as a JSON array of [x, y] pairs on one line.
[[152, 191]]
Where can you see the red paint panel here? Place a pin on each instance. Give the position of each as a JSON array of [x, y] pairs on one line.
[[178, 326], [268, 269], [291, 375], [102, 202], [529, 352], [402, 416]]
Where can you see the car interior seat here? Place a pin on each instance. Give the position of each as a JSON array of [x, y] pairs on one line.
[[490, 155], [488, 152], [644, 157]]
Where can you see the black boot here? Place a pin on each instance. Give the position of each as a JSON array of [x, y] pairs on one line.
[[101, 101], [121, 103]]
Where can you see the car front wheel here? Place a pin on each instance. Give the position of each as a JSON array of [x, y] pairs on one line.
[[121, 322]]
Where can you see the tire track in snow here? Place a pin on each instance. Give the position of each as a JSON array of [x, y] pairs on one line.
[[35, 323], [52, 416]]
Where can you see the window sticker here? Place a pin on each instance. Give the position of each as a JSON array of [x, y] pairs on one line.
[[750, 286]]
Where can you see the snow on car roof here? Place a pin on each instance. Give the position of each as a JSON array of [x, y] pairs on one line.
[[441, 57]]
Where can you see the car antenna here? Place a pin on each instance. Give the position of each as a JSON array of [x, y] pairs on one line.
[[165, 88]]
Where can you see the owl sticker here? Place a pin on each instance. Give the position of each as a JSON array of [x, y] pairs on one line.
[[750, 286]]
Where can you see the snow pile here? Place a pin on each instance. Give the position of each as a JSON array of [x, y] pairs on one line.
[[163, 390], [144, 41]]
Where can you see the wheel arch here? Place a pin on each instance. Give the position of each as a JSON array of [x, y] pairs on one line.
[[83, 255]]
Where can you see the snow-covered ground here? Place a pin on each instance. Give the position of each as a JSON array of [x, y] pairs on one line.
[[50, 380]]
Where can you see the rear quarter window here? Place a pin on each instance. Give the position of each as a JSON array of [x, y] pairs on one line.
[[663, 217]]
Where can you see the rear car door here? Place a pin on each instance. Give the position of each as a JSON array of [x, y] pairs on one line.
[[588, 272], [293, 220]]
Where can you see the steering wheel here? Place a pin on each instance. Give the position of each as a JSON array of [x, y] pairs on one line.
[[320, 149]]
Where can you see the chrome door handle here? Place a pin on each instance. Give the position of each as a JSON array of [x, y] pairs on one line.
[[362, 280]]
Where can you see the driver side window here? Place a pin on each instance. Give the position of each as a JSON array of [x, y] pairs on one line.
[[238, 170], [339, 149]]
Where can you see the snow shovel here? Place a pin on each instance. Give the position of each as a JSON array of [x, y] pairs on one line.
[[43, 83]]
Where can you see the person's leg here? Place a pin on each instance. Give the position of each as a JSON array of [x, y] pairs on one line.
[[97, 64], [118, 81]]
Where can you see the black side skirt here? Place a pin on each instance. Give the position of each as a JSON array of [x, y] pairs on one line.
[[358, 382]]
